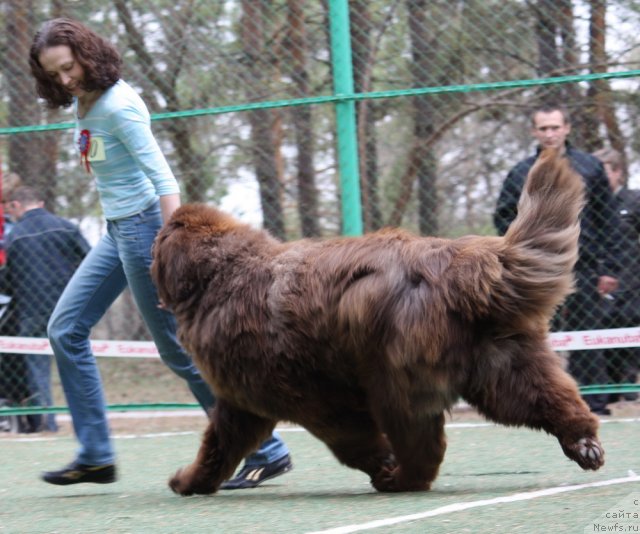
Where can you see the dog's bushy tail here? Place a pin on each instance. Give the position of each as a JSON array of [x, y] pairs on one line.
[[541, 245]]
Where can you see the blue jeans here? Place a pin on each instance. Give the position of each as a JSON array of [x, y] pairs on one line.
[[121, 258]]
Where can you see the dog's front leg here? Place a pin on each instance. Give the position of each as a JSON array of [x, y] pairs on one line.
[[231, 435], [536, 392]]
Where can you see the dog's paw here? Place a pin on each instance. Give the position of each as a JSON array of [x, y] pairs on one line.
[[179, 485], [384, 480], [392, 480], [185, 483], [586, 452]]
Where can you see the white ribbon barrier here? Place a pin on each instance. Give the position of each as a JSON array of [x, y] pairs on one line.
[[596, 339], [560, 341], [119, 349]]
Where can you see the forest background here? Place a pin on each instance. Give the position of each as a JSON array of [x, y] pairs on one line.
[[432, 163]]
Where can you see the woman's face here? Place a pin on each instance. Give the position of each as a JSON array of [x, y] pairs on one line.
[[60, 63]]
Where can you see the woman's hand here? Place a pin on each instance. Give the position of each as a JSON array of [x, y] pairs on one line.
[[169, 204]]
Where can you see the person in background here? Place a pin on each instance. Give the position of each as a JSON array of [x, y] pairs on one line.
[[43, 252], [599, 249], [623, 305], [73, 66], [13, 371], [9, 182]]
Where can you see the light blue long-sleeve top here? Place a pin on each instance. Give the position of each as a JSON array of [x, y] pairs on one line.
[[131, 171]]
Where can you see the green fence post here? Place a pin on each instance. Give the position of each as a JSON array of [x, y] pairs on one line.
[[345, 117]]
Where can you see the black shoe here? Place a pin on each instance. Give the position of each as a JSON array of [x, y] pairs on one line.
[[76, 473], [251, 475]]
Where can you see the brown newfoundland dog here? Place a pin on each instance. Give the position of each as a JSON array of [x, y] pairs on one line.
[[367, 341]]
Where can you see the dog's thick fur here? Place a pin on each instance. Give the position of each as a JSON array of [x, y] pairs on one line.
[[367, 341]]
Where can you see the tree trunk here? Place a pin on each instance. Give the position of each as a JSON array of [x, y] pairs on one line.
[[262, 142], [298, 52], [40, 171], [546, 28], [423, 50], [582, 122], [591, 140], [361, 42], [599, 90]]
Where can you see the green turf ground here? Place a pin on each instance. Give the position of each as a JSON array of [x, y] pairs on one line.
[[483, 463]]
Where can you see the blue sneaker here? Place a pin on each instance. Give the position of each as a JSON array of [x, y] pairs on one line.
[[253, 475]]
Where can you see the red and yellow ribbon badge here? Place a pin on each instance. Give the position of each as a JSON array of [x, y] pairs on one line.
[[84, 143]]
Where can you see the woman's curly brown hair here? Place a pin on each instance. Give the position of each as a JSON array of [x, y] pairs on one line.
[[99, 59]]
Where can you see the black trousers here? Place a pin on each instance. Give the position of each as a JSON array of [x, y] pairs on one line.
[[583, 310]]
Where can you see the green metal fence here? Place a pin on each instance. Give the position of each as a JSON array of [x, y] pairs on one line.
[[326, 117]]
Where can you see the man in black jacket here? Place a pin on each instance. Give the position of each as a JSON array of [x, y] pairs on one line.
[[599, 255], [624, 304], [43, 251]]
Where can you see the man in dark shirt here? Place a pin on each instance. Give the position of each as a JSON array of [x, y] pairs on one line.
[[624, 304], [599, 254], [43, 251]]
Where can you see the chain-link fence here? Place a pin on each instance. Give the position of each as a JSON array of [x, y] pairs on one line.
[[316, 118]]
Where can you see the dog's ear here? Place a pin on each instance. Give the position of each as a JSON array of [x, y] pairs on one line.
[[177, 266], [201, 218], [170, 266]]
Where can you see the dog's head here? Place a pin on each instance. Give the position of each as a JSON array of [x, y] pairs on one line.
[[179, 256]]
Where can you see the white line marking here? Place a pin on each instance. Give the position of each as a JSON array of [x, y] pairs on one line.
[[116, 436], [278, 429], [458, 507], [51, 437], [625, 420], [155, 435]]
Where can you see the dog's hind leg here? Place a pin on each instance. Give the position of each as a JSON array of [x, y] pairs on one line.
[[231, 435], [530, 388], [356, 441], [419, 445]]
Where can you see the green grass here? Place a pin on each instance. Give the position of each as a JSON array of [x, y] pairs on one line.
[[481, 463]]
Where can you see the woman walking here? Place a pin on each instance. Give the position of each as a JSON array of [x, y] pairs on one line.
[[73, 66]]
